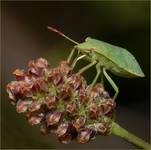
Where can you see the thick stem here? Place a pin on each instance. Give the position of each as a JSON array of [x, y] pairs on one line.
[[119, 131]]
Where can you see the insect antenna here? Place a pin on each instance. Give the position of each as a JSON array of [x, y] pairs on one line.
[[62, 34]]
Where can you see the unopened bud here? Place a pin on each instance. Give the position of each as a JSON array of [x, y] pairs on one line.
[[53, 118], [35, 119], [65, 139], [85, 135], [20, 74], [50, 101], [93, 111], [64, 68], [71, 108], [100, 128], [44, 129], [79, 122], [22, 106], [34, 106]]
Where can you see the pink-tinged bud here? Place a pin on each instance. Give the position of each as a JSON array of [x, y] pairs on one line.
[[41, 84], [22, 106], [34, 106], [93, 111], [66, 132], [27, 89], [35, 119], [75, 81], [20, 74], [65, 139], [31, 63], [62, 129], [13, 89], [82, 96], [106, 94], [37, 67], [34, 88], [97, 90], [44, 129], [55, 76], [50, 101], [53, 118], [41, 63], [71, 108], [80, 122], [33, 70], [85, 135], [64, 68], [31, 87], [100, 128], [107, 106], [110, 102], [65, 92]]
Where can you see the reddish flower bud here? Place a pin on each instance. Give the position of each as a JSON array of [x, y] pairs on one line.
[[22, 106], [41, 84], [13, 89], [65, 139], [65, 132], [20, 74], [97, 90], [33, 70], [27, 89], [34, 106], [44, 129], [55, 76], [79, 122], [50, 101], [93, 111], [64, 68], [106, 94], [82, 96], [85, 135], [62, 129], [37, 67], [75, 81], [107, 106], [65, 92], [100, 128], [41, 63], [35, 119], [71, 108], [110, 102], [53, 118]]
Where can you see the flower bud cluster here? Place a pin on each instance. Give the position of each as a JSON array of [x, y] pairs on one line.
[[61, 102]]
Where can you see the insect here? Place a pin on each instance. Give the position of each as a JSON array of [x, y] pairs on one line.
[[105, 57]]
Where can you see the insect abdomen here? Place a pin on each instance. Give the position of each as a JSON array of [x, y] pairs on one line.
[[114, 68], [124, 63]]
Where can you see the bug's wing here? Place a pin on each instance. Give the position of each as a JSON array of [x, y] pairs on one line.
[[120, 56]]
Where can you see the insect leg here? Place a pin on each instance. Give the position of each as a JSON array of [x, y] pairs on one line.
[[70, 55], [87, 67], [98, 69], [102, 76], [76, 60], [112, 83]]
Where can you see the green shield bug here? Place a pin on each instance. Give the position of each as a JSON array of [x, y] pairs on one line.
[[104, 56]]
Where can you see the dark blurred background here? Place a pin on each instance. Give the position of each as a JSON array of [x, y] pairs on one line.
[[25, 37]]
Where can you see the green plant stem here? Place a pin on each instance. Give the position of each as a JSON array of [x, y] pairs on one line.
[[119, 131]]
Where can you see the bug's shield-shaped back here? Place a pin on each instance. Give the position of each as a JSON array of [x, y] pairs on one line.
[[118, 60]]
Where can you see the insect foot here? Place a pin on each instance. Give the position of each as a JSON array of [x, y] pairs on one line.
[[60, 102]]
